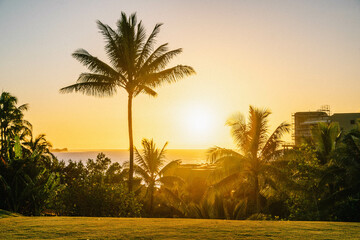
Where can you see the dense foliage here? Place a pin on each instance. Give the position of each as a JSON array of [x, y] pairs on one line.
[[34, 182], [95, 189], [319, 180]]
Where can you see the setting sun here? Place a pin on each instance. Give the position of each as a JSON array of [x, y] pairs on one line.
[[198, 120]]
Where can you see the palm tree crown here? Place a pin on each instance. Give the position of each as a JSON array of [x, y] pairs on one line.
[[325, 137], [135, 65]]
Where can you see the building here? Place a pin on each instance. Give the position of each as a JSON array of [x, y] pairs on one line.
[[347, 121], [304, 121]]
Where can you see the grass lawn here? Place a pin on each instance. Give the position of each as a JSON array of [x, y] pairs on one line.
[[150, 228], [6, 214]]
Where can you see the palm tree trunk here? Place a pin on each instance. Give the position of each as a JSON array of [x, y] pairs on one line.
[[131, 142], [257, 200], [2, 142], [151, 199]]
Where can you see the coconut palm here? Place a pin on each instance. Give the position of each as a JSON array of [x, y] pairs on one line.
[[247, 172], [135, 65], [150, 168]]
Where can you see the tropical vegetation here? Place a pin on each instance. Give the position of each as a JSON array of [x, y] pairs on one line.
[[318, 180]]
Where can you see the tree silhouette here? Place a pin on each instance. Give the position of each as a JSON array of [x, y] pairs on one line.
[[250, 170], [135, 65], [150, 166]]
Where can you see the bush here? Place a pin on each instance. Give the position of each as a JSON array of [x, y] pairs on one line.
[[95, 190]]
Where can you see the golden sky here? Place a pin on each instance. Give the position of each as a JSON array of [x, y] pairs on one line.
[[284, 55]]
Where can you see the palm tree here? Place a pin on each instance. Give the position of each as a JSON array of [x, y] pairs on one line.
[[41, 147], [12, 123], [325, 137], [344, 171], [249, 170], [135, 65], [150, 167]]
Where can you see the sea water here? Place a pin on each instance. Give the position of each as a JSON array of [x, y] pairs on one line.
[[187, 156]]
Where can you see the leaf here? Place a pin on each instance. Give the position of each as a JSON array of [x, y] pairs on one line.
[[17, 148]]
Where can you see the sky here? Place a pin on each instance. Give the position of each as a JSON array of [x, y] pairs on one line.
[[286, 56]]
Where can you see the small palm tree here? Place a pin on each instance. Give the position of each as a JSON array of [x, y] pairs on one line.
[[344, 171], [325, 137], [12, 123], [150, 167], [26, 180], [41, 147], [249, 170], [135, 66]]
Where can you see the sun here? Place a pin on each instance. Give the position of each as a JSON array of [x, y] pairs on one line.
[[198, 119]]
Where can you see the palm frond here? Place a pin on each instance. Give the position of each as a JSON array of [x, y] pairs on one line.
[[274, 140], [148, 46], [239, 130], [171, 165], [162, 151], [257, 129], [170, 75], [325, 137], [145, 89], [92, 77], [216, 153], [226, 166], [227, 183], [111, 48], [158, 63], [140, 38], [141, 161], [23, 107], [143, 173], [93, 63], [163, 48], [98, 89]]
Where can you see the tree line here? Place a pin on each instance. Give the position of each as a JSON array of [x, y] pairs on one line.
[[318, 180]]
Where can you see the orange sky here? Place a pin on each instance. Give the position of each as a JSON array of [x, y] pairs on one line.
[[285, 55]]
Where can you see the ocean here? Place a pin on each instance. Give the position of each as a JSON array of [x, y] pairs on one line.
[[187, 156]]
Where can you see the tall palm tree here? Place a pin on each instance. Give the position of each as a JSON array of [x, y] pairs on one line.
[[150, 167], [249, 170], [135, 65]]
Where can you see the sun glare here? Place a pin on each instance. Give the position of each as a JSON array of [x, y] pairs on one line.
[[198, 120]]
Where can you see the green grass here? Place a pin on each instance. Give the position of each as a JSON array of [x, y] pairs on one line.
[[150, 228], [6, 214]]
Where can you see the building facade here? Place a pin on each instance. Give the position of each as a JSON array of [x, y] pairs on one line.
[[304, 121]]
